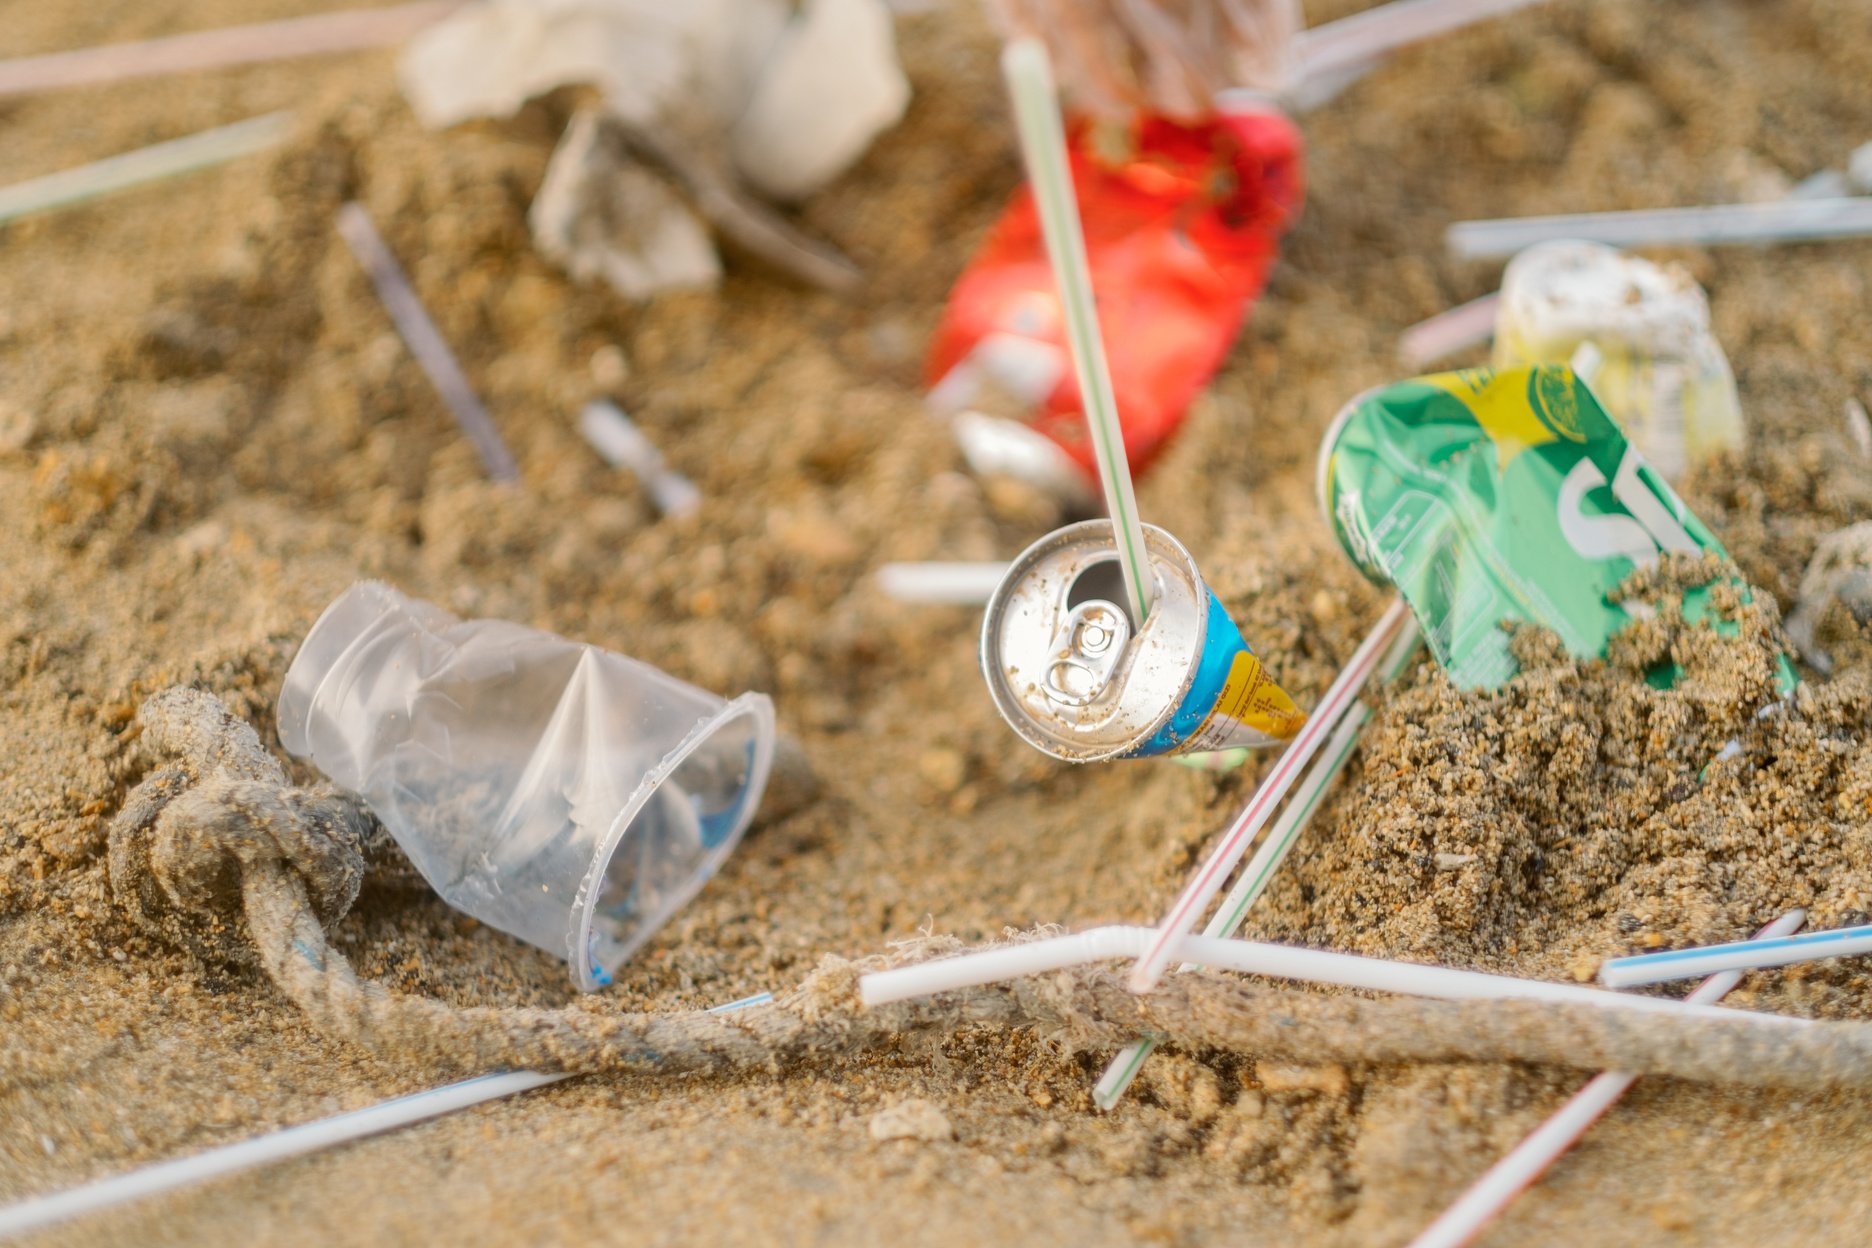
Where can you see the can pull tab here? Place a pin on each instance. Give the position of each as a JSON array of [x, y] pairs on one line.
[[1085, 652]]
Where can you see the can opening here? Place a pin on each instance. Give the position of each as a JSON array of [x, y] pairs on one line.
[[1102, 581]]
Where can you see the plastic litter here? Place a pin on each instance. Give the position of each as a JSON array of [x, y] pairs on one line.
[[1359, 40], [1209, 878], [291, 1142], [1464, 326], [1781, 221], [147, 164], [957, 584], [564, 794], [623, 445], [320, 34], [1254, 878], [1314, 966], [1839, 572], [601, 216], [1484, 1201], [1742, 955], [1660, 372], [425, 340]]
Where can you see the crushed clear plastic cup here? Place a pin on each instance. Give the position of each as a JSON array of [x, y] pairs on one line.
[[564, 794]]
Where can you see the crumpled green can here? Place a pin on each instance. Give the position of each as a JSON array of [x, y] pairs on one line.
[[1487, 495]]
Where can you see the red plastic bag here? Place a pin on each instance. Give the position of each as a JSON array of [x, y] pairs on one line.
[[1180, 236]]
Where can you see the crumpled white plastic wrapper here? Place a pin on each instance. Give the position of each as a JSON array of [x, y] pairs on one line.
[[794, 98]]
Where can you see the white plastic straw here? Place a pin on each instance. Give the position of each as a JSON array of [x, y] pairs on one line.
[[1313, 966], [1043, 143], [1209, 878], [1741, 955], [1484, 1201], [146, 164], [1273, 851], [425, 340], [1782, 221], [957, 584], [1460, 328], [1365, 37], [620, 443], [297, 1141], [216, 49]]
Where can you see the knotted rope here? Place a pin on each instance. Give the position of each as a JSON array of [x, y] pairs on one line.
[[219, 833]]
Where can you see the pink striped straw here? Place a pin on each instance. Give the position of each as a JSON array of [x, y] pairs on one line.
[[1516, 1172], [1207, 881], [218, 49]]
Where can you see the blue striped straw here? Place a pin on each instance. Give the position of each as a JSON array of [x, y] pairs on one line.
[[1743, 955]]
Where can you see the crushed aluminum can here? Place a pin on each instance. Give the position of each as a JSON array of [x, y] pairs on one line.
[[1077, 678], [1486, 495]]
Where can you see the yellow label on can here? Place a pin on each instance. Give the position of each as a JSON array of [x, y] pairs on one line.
[[1252, 710]]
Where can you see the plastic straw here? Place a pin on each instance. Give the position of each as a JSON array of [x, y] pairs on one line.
[[1273, 851], [216, 49], [425, 340], [1209, 878], [1462, 327], [1314, 966], [297, 1141], [1516, 1172], [1741, 955], [622, 444], [1043, 142], [959, 584], [146, 164], [1782, 221], [1365, 37]]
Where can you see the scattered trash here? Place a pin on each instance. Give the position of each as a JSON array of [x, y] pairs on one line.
[[914, 1119], [1079, 678], [1490, 495], [1260, 870], [566, 795], [1778, 221], [1313, 966], [1174, 262], [1768, 949], [1839, 572], [425, 340], [623, 445], [1661, 373], [146, 164], [1354, 43], [1464, 326], [1209, 878], [1489, 1195], [323, 33], [710, 94], [600, 216], [944, 584]]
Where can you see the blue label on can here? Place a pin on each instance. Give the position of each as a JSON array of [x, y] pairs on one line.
[[1222, 641]]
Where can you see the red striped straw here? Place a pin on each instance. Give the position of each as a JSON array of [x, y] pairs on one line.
[[218, 49], [1202, 888]]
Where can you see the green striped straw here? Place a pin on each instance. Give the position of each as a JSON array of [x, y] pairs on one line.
[[1273, 851], [1043, 143]]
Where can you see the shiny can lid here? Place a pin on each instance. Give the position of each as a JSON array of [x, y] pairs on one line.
[[1067, 666]]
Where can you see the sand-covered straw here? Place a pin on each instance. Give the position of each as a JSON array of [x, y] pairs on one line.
[[1267, 859], [348, 31], [1782, 221], [1209, 878], [1043, 144], [146, 164], [425, 340], [1485, 1199], [1365, 37], [290, 1142], [1768, 949]]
